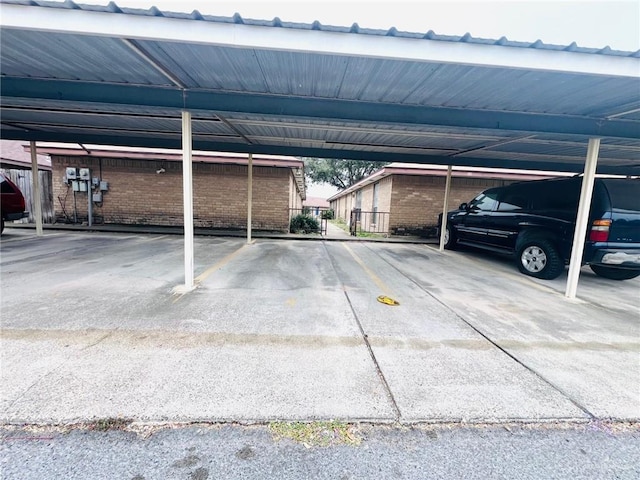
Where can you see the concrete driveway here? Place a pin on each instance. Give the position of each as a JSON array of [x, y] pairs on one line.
[[287, 329]]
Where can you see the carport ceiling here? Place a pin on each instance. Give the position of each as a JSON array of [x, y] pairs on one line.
[[111, 75]]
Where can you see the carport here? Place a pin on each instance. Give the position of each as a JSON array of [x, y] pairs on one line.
[[119, 76]]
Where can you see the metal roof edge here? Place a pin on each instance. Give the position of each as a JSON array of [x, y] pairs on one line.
[[170, 157], [355, 29]]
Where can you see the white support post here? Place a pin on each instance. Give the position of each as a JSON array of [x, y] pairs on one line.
[[35, 184], [249, 197], [445, 207], [187, 193], [583, 217]]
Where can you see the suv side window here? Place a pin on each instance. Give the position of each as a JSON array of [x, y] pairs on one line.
[[512, 200], [558, 196], [485, 202]]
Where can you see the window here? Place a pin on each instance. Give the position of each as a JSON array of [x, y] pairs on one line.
[[6, 186], [558, 195], [376, 188], [512, 200], [485, 202], [358, 204]]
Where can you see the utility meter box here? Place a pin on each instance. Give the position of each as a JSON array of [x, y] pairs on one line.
[[85, 174], [71, 173]]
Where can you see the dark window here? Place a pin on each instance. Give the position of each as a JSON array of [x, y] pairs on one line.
[[624, 194], [486, 201], [558, 195], [5, 187], [512, 200]]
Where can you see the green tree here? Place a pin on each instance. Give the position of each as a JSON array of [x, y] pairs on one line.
[[339, 173]]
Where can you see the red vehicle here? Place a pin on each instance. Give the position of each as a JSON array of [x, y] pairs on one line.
[[12, 206]]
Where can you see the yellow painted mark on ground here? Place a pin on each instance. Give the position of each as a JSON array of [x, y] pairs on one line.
[[291, 302], [213, 268], [379, 283], [153, 239], [218, 265]]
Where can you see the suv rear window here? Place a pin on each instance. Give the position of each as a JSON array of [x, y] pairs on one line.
[[624, 194]]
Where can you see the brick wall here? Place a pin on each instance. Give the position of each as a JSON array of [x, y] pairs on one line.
[[416, 201], [138, 195], [342, 207]]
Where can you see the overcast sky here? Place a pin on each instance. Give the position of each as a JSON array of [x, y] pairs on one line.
[[588, 23]]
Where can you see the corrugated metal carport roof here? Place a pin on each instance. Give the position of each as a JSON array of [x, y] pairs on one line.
[[112, 75]]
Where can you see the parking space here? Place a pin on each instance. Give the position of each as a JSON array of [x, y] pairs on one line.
[[286, 329]]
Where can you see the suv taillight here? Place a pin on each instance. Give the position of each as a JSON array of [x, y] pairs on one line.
[[600, 231]]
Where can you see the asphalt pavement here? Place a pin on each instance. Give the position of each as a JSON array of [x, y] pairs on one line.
[[201, 452]]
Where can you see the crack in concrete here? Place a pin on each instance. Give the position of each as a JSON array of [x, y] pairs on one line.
[[488, 339], [365, 339]]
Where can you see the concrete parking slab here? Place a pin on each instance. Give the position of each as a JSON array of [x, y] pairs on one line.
[[586, 350], [246, 346], [437, 366], [154, 376], [285, 329]]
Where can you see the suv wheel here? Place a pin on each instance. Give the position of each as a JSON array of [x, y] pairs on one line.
[[538, 257], [450, 239], [614, 273]]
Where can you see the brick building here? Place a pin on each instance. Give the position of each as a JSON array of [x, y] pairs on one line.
[[144, 187], [407, 197]]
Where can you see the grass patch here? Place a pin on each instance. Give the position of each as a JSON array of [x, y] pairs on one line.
[[316, 434], [107, 424], [369, 235], [340, 223]]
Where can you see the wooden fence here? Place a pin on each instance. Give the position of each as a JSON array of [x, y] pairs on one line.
[[22, 178]]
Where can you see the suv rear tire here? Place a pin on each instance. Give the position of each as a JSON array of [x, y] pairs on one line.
[[613, 273], [538, 257]]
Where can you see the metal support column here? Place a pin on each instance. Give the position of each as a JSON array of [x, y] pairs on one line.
[[249, 197], [187, 192], [35, 184], [89, 203], [583, 217], [445, 207]]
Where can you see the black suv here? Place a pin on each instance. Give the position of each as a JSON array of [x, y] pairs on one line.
[[535, 221]]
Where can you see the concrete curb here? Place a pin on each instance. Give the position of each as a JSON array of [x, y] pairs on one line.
[[162, 230]]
